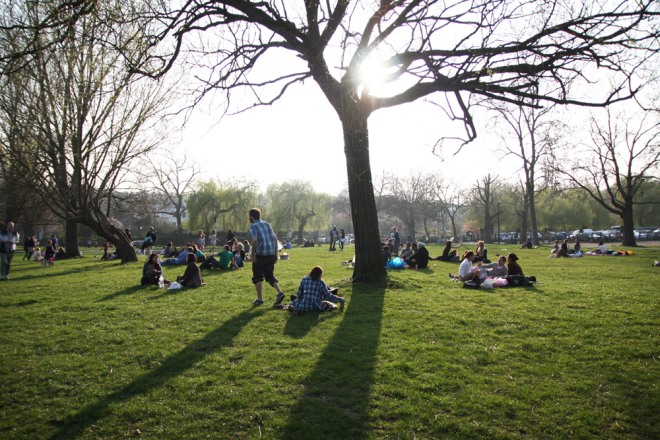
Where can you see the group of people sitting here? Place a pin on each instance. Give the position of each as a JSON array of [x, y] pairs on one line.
[[48, 256], [229, 258], [416, 255], [506, 271], [562, 250]]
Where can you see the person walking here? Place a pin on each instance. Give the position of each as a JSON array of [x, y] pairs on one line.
[[264, 256], [9, 237]]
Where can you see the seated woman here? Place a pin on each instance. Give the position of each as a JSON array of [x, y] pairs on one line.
[[420, 256], [516, 277], [602, 250], [60, 255], [577, 247], [481, 253], [528, 244], [192, 277], [465, 271], [555, 249], [498, 269], [151, 271], [239, 256], [449, 254], [563, 250], [313, 293], [513, 267], [179, 260]]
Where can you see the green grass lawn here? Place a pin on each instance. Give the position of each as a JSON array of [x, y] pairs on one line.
[[88, 353]]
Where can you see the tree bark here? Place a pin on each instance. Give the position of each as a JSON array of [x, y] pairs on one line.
[[628, 225], [102, 225], [71, 239], [368, 259]]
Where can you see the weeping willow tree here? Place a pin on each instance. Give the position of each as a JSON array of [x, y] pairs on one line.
[[216, 205], [296, 206]]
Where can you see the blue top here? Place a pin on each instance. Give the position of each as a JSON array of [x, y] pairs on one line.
[[266, 239], [310, 294]]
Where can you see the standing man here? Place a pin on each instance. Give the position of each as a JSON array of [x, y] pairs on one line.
[[8, 239], [264, 256], [334, 233]]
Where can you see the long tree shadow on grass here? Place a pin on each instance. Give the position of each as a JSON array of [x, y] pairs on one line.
[[126, 291], [336, 394], [173, 366]]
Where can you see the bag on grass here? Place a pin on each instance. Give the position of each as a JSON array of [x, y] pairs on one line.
[[174, 286], [396, 263]]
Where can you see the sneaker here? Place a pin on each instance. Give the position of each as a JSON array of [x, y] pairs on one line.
[[279, 299], [257, 302]]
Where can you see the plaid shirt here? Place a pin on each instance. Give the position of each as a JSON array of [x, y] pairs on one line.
[[310, 294], [266, 239]]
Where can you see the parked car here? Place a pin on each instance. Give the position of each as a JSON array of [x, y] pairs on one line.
[[137, 243], [644, 233], [558, 235], [581, 234]]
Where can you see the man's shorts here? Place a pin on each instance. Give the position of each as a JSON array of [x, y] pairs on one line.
[[263, 266]]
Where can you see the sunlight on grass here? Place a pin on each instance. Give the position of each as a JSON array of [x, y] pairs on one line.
[[88, 353]]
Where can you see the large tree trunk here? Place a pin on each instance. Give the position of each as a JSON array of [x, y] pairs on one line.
[[532, 213], [102, 225], [628, 225], [523, 219], [71, 239], [368, 259]]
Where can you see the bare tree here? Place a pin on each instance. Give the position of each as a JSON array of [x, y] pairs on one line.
[[532, 138], [57, 18], [82, 118], [485, 193], [623, 155], [173, 181], [502, 50], [453, 201], [411, 196]]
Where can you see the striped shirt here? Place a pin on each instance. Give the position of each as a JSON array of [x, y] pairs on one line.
[[266, 239]]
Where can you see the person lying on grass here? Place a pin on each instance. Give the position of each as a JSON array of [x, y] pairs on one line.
[[314, 294], [192, 276]]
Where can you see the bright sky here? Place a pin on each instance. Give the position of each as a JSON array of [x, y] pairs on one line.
[[300, 138]]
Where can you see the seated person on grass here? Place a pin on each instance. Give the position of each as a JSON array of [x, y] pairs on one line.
[[151, 271], [420, 257], [313, 293], [497, 269], [223, 262], [192, 276], [386, 254], [239, 256], [466, 272]]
